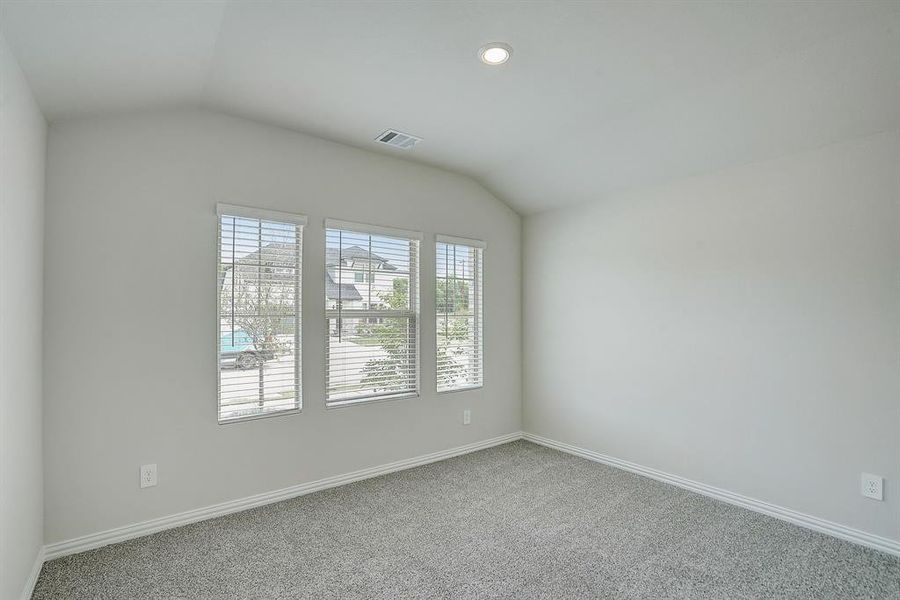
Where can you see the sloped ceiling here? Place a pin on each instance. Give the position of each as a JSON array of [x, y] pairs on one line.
[[598, 96]]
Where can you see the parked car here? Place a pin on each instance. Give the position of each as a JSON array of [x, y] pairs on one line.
[[237, 350]]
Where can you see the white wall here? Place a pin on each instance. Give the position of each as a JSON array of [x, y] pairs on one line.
[[130, 314], [23, 137], [740, 329]]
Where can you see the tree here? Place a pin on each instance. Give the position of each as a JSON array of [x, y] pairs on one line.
[[452, 296], [448, 354], [258, 297], [390, 371]]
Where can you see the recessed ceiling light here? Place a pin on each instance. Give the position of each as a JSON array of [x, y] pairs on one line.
[[495, 53]]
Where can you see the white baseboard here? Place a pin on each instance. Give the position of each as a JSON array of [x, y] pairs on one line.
[[120, 534], [785, 514], [28, 589]]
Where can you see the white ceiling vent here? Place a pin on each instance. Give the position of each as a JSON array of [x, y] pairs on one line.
[[398, 139]]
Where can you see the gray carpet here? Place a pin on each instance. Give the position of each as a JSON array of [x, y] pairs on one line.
[[516, 521]]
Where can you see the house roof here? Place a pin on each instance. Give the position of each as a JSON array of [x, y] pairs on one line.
[[345, 291], [275, 247], [356, 253]]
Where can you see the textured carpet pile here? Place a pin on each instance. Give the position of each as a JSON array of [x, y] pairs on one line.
[[515, 521]]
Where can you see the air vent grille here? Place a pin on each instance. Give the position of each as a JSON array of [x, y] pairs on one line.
[[398, 139]]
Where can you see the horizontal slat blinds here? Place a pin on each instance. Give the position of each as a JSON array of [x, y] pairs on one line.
[[372, 303], [258, 346], [459, 308]]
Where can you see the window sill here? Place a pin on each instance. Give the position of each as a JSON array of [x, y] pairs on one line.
[[357, 401], [265, 415], [468, 388]]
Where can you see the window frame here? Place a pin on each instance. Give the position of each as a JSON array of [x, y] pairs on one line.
[[272, 216], [478, 277], [415, 311]]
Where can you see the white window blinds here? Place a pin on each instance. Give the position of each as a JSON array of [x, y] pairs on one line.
[[258, 346], [372, 304], [459, 308]]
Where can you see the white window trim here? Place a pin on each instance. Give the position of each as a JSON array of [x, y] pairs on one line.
[[481, 245], [450, 239], [233, 210], [373, 229], [367, 229]]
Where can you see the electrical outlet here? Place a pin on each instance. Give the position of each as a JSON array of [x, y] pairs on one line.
[[467, 416], [872, 486], [148, 475]]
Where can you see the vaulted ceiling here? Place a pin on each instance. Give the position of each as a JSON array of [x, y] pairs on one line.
[[597, 97]]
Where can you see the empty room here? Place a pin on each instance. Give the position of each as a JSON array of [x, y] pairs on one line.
[[449, 299]]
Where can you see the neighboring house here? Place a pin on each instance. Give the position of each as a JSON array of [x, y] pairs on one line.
[[356, 278], [257, 293], [275, 262], [347, 274], [345, 293]]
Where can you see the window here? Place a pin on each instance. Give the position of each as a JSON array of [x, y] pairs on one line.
[[258, 345], [373, 323], [459, 308]]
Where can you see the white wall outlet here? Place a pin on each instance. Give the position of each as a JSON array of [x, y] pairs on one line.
[[148, 475], [872, 486], [467, 416]]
